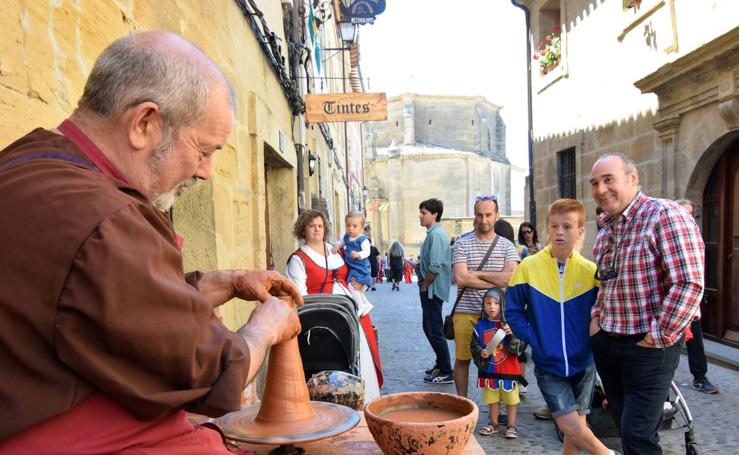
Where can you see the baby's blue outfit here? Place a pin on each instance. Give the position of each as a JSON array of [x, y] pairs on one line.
[[359, 269]]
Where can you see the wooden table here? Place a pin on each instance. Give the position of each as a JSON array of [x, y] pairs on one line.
[[358, 441]]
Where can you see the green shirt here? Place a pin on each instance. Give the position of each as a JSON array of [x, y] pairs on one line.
[[436, 257]]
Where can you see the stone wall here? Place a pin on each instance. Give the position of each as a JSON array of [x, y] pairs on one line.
[[590, 101], [461, 123], [455, 178]]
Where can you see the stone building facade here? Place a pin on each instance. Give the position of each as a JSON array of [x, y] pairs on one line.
[[242, 216], [658, 80], [448, 147]]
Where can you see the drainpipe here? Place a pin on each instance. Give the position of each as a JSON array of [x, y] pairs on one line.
[[532, 193]]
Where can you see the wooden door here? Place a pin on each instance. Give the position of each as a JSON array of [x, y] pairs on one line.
[[732, 258], [721, 236]]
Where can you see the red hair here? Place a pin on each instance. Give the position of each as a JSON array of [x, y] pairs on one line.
[[563, 206]]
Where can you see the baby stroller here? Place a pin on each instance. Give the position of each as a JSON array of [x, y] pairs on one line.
[[329, 337], [676, 417]]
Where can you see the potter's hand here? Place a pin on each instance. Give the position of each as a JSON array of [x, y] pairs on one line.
[[275, 320], [262, 285], [272, 322], [216, 287], [484, 354]]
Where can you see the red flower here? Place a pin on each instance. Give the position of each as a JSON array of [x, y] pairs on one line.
[[536, 56], [556, 29]]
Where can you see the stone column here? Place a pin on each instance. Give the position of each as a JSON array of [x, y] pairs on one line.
[[667, 128]]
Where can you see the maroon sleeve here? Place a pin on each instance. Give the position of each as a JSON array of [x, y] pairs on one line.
[[130, 326]]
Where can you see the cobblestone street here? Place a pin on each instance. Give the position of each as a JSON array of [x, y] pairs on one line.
[[406, 354]]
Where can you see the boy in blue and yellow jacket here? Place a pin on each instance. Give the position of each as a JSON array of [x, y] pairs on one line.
[[548, 306]]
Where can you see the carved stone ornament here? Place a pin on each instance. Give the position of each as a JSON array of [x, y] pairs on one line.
[[667, 128], [728, 99]]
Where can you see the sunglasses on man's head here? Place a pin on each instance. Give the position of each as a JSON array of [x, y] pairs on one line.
[[489, 197]]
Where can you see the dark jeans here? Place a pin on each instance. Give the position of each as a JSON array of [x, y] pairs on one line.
[[433, 325], [696, 356], [636, 380]]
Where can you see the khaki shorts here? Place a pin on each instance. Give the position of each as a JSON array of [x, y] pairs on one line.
[[464, 325], [510, 397]]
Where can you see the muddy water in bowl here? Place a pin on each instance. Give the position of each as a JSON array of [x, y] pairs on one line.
[[427, 423], [421, 415]]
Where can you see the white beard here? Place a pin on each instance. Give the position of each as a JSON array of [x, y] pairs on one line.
[[165, 201]]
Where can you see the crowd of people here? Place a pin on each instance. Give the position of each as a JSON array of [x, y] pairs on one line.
[[622, 317], [107, 341]]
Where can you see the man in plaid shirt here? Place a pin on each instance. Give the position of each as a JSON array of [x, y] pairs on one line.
[[649, 255]]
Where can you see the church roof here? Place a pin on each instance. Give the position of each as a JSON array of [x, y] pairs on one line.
[[420, 149]]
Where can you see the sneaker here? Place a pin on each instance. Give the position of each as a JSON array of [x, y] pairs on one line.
[[434, 373], [543, 414], [522, 389], [705, 386], [511, 433], [439, 379], [431, 371]]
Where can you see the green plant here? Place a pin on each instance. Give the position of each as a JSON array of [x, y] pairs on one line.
[[550, 50]]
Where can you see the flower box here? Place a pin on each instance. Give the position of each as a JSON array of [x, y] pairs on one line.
[[550, 51]]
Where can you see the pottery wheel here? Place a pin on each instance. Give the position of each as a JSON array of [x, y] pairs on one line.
[[329, 420]]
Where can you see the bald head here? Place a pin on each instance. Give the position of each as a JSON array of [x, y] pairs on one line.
[[614, 182], [154, 66]]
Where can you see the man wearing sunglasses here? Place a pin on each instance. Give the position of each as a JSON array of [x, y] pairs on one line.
[[649, 255], [467, 255]]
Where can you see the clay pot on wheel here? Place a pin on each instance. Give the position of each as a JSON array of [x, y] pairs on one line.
[[421, 422]]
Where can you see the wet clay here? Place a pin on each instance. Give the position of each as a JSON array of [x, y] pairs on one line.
[[421, 415], [286, 415], [285, 397]]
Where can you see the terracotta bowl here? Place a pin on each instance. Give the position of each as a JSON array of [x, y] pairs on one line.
[[426, 423]]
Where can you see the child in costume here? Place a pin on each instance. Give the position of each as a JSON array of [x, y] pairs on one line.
[[499, 372]]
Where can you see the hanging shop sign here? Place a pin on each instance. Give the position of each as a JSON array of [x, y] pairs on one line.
[[362, 11], [345, 107]]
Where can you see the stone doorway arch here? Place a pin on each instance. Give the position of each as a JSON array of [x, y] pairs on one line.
[[714, 184]]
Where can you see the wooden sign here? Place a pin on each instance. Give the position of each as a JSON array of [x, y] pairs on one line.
[[345, 107]]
